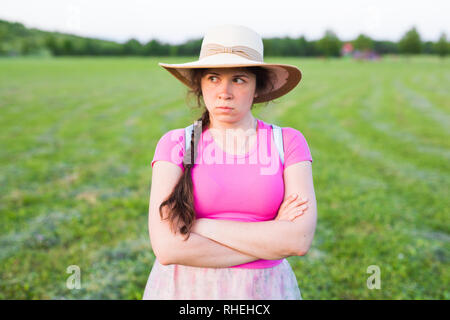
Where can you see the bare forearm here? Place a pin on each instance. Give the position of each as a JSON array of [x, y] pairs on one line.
[[269, 240], [198, 251]]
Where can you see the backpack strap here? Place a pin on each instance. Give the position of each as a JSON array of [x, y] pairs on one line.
[[187, 136], [278, 137]]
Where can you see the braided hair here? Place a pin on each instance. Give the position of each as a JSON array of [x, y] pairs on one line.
[[178, 208]]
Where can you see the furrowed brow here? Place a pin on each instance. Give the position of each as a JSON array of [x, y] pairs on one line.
[[235, 75]]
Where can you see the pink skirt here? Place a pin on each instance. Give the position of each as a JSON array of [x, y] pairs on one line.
[[180, 282]]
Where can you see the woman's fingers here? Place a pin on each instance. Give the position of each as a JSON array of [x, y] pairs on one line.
[[298, 202], [292, 207], [302, 208], [289, 200], [298, 212]]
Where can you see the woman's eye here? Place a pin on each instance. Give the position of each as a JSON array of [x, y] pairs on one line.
[[213, 79]]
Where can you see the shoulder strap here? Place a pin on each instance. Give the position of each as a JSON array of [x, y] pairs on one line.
[[187, 136], [278, 137]]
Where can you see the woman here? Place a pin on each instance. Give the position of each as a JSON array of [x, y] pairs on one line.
[[220, 224]]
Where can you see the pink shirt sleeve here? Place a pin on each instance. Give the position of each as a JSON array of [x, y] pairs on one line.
[[296, 148], [170, 148]]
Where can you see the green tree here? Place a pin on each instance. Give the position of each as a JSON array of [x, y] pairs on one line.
[[190, 48], [428, 47], [173, 50], [442, 46], [51, 44], [29, 46], [384, 47], [90, 47], [270, 47], [67, 47], [329, 45], [302, 46], [363, 43], [410, 43], [132, 47], [156, 48]]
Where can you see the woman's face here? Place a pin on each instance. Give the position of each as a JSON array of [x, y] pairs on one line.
[[228, 87]]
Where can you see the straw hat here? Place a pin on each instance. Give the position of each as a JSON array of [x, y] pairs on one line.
[[228, 46]]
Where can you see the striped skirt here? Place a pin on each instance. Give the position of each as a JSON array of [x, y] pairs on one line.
[[179, 282]]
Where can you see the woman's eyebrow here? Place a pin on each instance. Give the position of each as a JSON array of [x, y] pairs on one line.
[[235, 75]]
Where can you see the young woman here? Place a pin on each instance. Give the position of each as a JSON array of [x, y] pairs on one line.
[[227, 211]]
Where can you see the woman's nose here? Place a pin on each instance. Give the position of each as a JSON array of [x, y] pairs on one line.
[[225, 90]]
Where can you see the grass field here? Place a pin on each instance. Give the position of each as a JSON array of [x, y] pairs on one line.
[[78, 135]]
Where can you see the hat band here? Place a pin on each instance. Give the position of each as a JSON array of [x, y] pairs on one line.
[[243, 51]]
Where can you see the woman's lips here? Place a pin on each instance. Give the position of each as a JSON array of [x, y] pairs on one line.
[[225, 109]]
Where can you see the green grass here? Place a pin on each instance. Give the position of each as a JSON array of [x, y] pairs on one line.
[[77, 137]]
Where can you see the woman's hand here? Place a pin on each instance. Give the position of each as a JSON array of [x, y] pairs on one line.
[[291, 208]]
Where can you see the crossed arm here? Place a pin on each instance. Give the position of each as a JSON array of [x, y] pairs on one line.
[[224, 243], [275, 239]]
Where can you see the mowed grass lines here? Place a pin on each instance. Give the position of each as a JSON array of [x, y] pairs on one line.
[[78, 136]]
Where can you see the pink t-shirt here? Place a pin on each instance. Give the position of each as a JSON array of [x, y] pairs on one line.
[[246, 187]]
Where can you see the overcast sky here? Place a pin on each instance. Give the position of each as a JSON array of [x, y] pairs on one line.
[[175, 21]]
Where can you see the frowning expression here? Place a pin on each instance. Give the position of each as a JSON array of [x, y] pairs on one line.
[[228, 87]]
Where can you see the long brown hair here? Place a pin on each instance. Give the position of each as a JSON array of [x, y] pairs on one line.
[[180, 203]]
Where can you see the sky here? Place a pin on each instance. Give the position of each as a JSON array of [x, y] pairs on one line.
[[175, 21]]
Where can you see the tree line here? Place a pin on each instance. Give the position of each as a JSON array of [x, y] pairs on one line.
[[17, 40]]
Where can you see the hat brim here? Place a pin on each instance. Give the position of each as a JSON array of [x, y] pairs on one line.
[[287, 76]]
